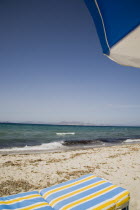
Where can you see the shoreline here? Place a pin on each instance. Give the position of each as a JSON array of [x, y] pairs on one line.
[[8, 151], [119, 164]]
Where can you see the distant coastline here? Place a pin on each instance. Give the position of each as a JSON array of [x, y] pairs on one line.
[[67, 124]]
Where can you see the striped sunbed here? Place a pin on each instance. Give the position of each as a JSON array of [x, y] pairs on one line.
[[86, 193]]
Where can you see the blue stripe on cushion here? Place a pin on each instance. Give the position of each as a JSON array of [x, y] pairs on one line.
[[10, 197], [4, 207], [99, 199], [71, 189], [25, 203], [45, 208], [81, 195], [43, 191]]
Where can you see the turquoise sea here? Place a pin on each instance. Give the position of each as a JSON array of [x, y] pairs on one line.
[[23, 137]]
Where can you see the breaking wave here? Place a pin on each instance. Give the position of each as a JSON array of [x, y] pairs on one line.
[[48, 146]]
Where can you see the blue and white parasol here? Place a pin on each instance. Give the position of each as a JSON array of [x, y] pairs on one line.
[[118, 27]]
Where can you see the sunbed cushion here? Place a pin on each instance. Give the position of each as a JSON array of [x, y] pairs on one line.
[[24, 201], [87, 192]]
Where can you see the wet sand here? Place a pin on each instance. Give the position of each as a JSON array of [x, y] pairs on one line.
[[26, 172]]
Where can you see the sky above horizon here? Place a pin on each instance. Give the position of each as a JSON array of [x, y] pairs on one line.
[[52, 68]]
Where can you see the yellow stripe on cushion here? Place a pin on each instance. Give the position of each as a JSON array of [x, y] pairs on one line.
[[123, 201], [75, 192], [108, 205], [67, 186], [15, 200], [88, 197], [35, 206], [120, 196]]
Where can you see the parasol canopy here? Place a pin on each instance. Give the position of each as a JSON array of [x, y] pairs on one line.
[[118, 27]]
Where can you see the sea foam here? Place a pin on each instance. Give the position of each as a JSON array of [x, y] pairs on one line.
[[132, 140], [63, 134]]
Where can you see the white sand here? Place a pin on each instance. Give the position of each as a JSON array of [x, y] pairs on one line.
[[118, 164]]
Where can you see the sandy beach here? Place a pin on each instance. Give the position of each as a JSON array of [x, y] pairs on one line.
[[27, 172]]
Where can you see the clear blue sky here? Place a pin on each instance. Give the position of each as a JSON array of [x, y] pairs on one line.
[[52, 68]]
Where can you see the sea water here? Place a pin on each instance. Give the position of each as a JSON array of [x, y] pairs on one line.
[[36, 137]]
